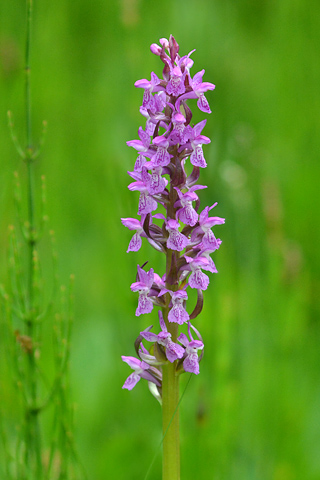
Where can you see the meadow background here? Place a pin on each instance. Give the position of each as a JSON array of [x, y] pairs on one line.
[[254, 412]]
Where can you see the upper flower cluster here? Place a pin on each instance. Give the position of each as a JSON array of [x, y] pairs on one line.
[[167, 145]]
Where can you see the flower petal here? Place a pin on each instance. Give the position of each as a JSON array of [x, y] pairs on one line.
[[131, 381]]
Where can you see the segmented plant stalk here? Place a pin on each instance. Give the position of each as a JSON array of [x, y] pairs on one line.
[[30, 457], [26, 307], [32, 428]]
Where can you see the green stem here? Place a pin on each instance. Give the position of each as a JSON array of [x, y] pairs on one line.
[[29, 161], [170, 380], [27, 71], [33, 439], [170, 413]]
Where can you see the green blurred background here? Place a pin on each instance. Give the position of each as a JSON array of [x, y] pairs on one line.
[[254, 412]]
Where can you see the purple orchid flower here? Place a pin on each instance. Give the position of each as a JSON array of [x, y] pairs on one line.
[[162, 156], [150, 126], [176, 241], [159, 281], [191, 361], [177, 313], [134, 224], [186, 62], [209, 241], [187, 213], [198, 279], [206, 251], [143, 144], [140, 371], [148, 101], [156, 183], [176, 85], [139, 163], [177, 134], [197, 140], [198, 89], [152, 118], [147, 203], [173, 350], [143, 286]]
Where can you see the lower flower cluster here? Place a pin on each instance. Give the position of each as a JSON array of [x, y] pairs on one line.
[[166, 171], [148, 366]]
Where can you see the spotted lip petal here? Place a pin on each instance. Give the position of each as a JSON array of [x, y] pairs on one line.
[[197, 158], [199, 280], [191, 363], [191, 360], [187, 213], [131, 381], [145, 304], [178, 314], [176, 241], [147, 204], [173, 350], [135, 243], [176, 85]]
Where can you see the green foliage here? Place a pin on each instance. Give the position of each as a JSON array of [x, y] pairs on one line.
[[253, 412]]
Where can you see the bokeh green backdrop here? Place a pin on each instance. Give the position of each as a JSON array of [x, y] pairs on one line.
[[254, 412]]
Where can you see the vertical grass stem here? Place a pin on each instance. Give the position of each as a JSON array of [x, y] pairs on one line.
[[33, 436]]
